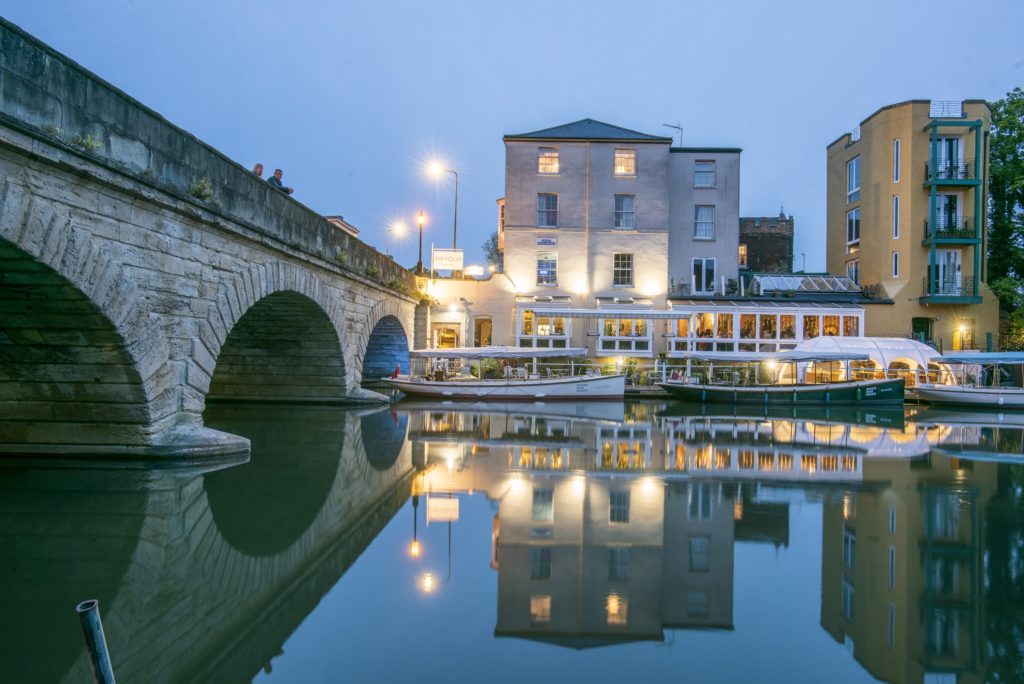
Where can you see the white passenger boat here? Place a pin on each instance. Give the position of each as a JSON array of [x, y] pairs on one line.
[[444, 377], [976, 380]]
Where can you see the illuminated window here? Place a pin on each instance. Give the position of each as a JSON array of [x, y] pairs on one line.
[[853, 180], [700, 553], [540, 609], [625, 162], [787, 327], [704, 174], [547, 160], [543, 507], [617, 609], [743, 255], [830, 326], [625, 211], [851, 326], [811, 326], [618, 563], [704, 222], [618, 507], [622, 269], [547, 268], [540, 562], [547, 210]]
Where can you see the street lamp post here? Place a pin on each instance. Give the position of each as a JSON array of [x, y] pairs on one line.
[[437, 169], [420, 219]]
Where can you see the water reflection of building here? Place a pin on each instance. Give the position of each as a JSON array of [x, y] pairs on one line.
[[902, 573]]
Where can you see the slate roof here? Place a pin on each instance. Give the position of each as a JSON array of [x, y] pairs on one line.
[[588, 129]]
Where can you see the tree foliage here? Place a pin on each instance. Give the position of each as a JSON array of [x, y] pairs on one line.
[[495, 257], [1006, 194]]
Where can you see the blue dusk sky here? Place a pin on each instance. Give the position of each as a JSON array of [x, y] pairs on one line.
[[351, 98]]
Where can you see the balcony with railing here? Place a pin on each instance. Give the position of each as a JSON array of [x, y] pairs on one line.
[[950, 229], [950, 171], [949, 291]]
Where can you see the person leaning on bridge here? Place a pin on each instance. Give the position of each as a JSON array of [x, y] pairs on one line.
[[258, 170], [275, 181]]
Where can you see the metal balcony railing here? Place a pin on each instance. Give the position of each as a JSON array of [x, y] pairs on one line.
[[950, 169], [948, 287], [950, 227]]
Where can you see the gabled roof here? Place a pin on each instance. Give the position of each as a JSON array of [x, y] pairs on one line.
[[588, 129]]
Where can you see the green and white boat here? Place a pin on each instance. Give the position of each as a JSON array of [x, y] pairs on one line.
[[791, 378]]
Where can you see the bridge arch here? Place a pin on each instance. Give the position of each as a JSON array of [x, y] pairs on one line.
[[387, 348], [69, 373]]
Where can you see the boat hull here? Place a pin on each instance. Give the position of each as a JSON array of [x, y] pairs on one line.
[[576, 388], [874, 392], [989, 397]]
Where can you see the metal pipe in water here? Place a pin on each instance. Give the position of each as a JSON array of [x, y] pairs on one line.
[[95, 642]]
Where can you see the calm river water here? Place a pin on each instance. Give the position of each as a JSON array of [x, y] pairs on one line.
[[607, 542]]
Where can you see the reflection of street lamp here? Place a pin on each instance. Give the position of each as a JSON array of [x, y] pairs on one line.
[[436, 169], [420, 219], [414, 548]]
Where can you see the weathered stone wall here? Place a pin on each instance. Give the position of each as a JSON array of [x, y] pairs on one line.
[[121, 291]]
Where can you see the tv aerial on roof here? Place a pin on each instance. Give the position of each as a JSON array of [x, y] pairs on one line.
[[678, 127]]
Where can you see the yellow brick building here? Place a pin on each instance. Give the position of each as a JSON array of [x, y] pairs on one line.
[[907, 219]]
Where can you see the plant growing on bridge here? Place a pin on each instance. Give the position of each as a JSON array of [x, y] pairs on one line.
[[373, 271], [341, 257], [200, 188], [90, 142], [54, 131]]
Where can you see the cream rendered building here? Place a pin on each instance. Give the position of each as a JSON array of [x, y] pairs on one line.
[[907, 220]]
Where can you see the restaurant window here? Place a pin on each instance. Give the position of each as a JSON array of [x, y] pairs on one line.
[[625, 162], [704, 222], [625, 211], [547, 210], [851, 326], [700, 553], [853, 180], [811, 327], [725, 325], [622, 270], [618, 563], [683, 327], [543, 505], [830, 326], [787, 327], [618, 507], [625, 334], [539, 330], [705, 324], [767, 327], [540, 609], [540, 562], [703, 174], [547, 268], [743, 255], [547, 160]]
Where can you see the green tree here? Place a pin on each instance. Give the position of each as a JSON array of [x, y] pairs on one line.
[[495, 257], [1006, 195]]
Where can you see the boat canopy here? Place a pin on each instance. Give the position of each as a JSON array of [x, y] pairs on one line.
[[794, 356], [1008, 358], [495, 352]]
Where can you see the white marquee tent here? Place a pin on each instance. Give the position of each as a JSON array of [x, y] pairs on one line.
[[884, 351]]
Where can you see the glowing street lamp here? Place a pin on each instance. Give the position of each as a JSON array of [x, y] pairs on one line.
[[436, 168], [420, 219]]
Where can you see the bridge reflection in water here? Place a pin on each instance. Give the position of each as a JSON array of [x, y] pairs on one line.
[[610, 524]]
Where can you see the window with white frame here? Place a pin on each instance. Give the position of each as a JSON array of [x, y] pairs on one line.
[[895, 264], [547, 268], [539, 330], [547, 210], [625, 335], [703, 174], [853, 271], [618, 507], [896, 160], [853, 230], [703, 276], [704, 222], [895, 217], [625, 162], [547, 160], [622, 270], [853, 180], [625, 211], [543, 508]]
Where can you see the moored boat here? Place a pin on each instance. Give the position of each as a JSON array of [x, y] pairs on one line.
[[515, 384], [968, 386]]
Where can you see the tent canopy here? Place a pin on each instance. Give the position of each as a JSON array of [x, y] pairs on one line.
[[793, 356], [882, 350], [1009, 358]]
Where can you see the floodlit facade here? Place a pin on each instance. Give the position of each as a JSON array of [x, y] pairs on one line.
[[907, 220]]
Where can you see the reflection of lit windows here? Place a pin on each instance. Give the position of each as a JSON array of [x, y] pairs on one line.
[[698, 604], [540, 562], [849, 547], [700, 553], [618, 563], [785, 461], [847, 604], [618, 507], [809, 464], [543, 507], [617, 609], [540, 609]]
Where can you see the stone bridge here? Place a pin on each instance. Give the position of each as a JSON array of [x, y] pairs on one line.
[[201, 577], [143, 273]]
